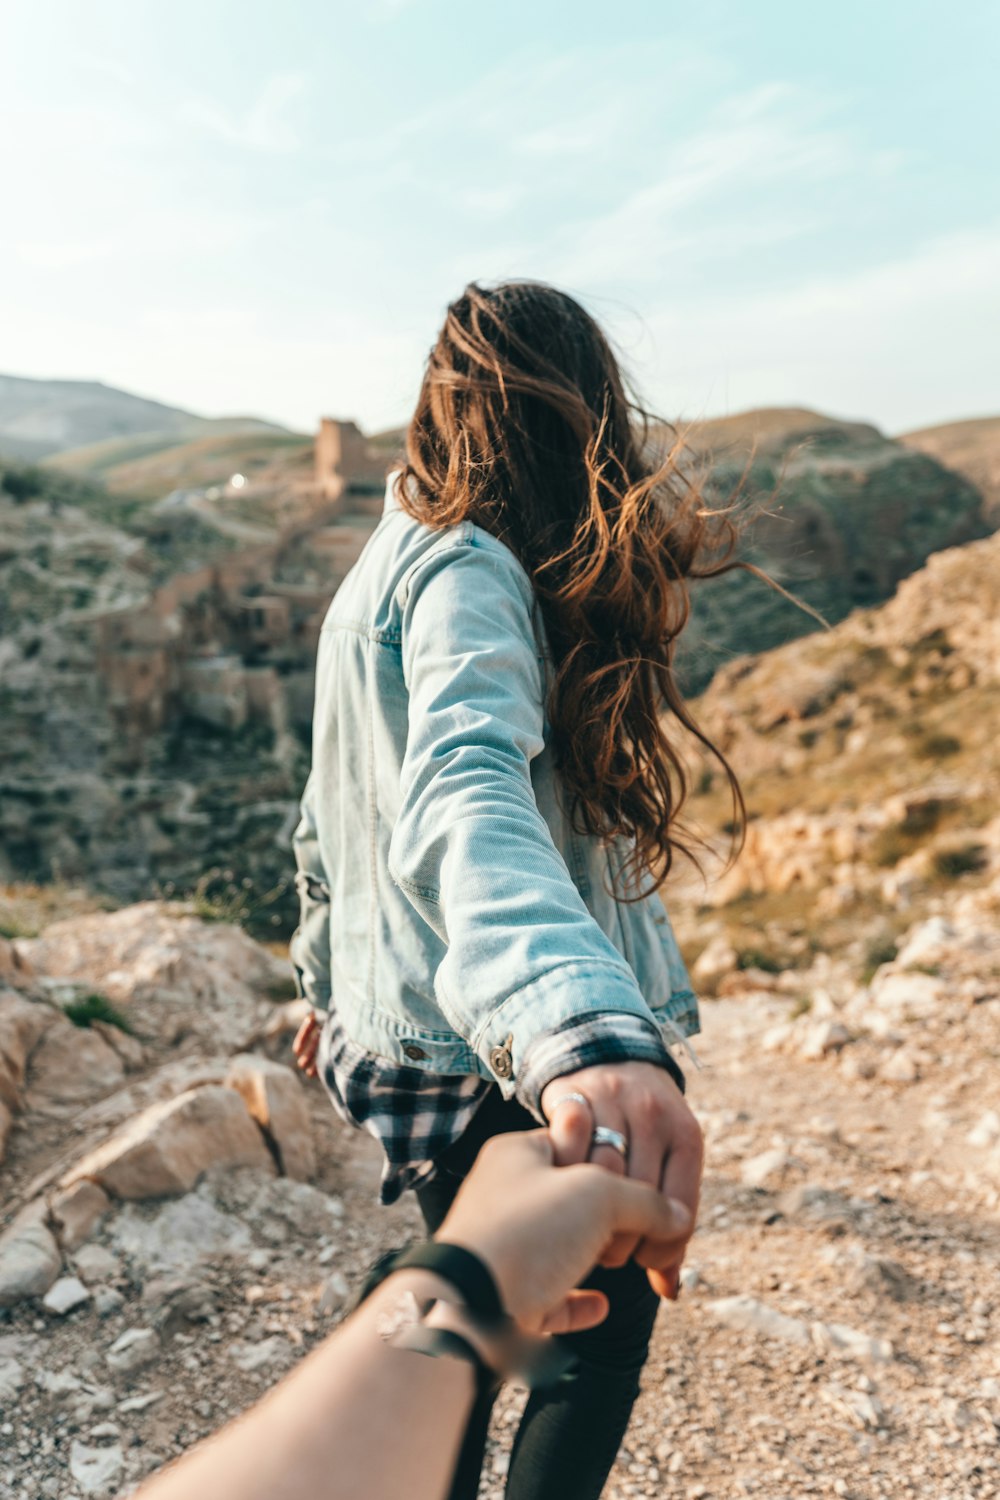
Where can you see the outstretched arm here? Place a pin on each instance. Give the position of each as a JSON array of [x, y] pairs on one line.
[[361, 1417], [470, 847]]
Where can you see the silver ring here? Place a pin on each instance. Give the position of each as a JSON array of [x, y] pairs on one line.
[[604, 1136], [577, 1099]]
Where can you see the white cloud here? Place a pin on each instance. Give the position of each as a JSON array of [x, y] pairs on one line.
[[264, 126]]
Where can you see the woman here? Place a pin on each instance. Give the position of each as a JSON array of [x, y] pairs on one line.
[[492, 804]]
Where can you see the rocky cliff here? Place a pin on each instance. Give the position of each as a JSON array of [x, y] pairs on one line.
[[157, 656], [834, 511]]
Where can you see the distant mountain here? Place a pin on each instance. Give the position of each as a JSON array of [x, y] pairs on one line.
[[971, 448], [39, 418]]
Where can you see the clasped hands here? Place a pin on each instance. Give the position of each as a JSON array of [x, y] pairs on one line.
[[641, 1103]]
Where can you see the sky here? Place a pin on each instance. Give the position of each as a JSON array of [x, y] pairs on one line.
[[265, 208]]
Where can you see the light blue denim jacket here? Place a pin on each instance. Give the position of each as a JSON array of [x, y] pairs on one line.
[[447, 905]]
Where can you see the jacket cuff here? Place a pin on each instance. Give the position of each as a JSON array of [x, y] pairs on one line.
[[587, 1042]]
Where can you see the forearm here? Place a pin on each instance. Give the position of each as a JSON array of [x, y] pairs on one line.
[[358, 1417]]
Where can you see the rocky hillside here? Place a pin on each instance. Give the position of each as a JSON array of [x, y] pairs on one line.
[[834, 511], [41, 417], [156, 654], [971, 449]]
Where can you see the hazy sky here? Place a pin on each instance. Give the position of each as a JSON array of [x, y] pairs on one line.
[[264, 207]]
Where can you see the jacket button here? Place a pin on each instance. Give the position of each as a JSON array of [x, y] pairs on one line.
[[414, 1053], [501, 1061]]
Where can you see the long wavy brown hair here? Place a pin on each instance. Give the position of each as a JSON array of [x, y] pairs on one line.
[[526, 426]]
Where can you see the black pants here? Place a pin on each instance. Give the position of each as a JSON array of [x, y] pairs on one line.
[[568, 1438]]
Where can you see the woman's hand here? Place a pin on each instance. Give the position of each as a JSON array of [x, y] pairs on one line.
[[306, 1044], [665, 1147], [540, 1228]]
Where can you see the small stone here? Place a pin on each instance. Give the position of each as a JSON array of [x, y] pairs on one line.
[[135, 1349], [77, 1211], [94, 1263], [986, 1131], [97, 1471], [140, 1403], [29, 1258], [65, 1294], [108, 1301], [749, 1314], [690, 1278], [249, 1357], [11, 1378], [825, 1037], [899, 1068], [334, 1291], [717, 959], [57, 1382], [756, 1171], [851, 1341]]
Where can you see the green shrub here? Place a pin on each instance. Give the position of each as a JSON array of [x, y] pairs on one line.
[[880, 951], [97, 1008], [889, 846], [937, 746], [756, 958], [952, 863]]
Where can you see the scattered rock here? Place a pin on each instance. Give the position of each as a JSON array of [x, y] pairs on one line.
[[108, 1301], [899, 1067], [888, 1279], [11, 1378], [166, 960], [134, 1350], [333, 1293], [284, 1206], [758, 1169], [98, 1471], [64, 1295], [272, 1353], [29, 1259], [71, 1065], [986, 1131], [76, 1212], [57, 1383], [22, 1024], [752, 1316], [94, 1263], [825, 1037], [850, 1341], [177, 1235], [276, 1100], [166, 1149], [715, 961], [140, 1403]]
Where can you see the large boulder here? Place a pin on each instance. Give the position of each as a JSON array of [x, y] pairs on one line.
[[71, 1065], [167, 1148], [180, 972], [277, 1101], [30, 1260], [22, 1024]]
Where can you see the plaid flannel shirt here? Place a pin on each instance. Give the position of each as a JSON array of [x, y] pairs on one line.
[[416, 1115]]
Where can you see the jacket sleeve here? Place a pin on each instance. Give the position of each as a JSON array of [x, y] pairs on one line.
[[309, 947], [470, 848]]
